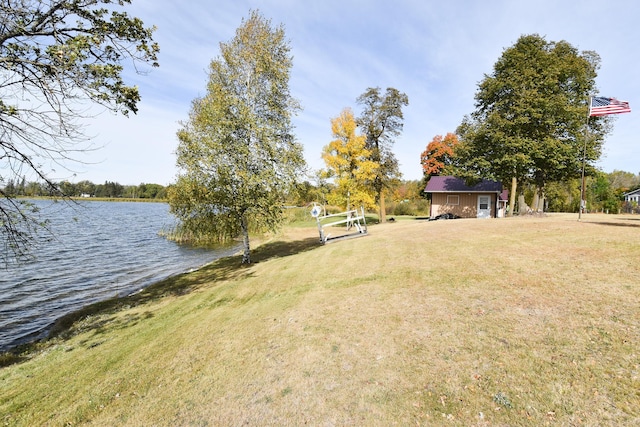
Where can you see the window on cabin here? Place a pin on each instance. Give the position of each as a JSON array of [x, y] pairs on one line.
[[453, 200]]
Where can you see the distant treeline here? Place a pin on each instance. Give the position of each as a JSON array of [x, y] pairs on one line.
[[604, 193], [86, 189]]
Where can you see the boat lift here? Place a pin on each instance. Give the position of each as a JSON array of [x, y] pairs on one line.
[[352, 219]]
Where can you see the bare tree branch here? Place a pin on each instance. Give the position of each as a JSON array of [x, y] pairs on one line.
[[56, 58]]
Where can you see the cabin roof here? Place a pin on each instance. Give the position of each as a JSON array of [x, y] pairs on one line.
[[451, 184]]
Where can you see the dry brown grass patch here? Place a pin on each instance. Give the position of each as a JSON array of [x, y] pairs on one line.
[[524, 321]]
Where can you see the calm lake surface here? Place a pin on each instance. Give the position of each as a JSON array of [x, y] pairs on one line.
[[99, 250]]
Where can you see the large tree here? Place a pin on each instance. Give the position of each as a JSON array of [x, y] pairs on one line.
[[237, 153], [530, 117], [348, 163], [438, 154], [624, 181], [54, 57], [382, 121]]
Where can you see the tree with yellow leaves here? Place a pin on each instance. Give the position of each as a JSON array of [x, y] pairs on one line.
[[348, 164]]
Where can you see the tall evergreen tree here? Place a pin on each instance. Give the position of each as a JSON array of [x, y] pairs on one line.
[[237, 153]]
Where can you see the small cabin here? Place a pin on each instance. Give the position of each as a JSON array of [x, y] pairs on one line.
[[632, 196], [451, 195]]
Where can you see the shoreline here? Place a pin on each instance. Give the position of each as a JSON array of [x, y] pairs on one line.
[[64, 322], [94, 199]]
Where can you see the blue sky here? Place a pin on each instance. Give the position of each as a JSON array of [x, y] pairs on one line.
[[434, 51]]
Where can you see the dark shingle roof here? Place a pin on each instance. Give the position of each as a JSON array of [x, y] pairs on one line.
[[451, 184]]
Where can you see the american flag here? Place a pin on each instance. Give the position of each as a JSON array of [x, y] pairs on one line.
[[601, 106]]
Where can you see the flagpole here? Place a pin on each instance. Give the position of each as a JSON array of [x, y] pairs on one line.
[[583, 199], [604, 107]]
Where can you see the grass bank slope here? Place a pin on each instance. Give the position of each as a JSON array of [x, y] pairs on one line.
[[525, 321]]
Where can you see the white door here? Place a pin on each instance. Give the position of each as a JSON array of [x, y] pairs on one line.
[[484, 207]]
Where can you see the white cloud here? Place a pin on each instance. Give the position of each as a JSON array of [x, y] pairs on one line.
[[436, 52]]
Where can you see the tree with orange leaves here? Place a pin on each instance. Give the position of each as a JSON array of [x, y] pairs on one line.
[[439, 153]]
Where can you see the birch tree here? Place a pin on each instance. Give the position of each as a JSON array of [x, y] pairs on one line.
[[237, 154]]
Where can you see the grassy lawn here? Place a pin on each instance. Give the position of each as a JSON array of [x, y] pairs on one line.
[[523, 321]]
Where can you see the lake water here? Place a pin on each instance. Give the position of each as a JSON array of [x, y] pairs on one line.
[[99, 250]]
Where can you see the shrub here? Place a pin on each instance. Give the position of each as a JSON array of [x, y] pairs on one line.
[[409, 208], [405, 208]]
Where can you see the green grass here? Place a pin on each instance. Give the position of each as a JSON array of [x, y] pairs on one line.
[[524, 321]]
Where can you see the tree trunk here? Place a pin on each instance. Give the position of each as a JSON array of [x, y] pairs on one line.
[[512, 196], [383, 209], [534, 202], [246, 254], [523, 208], [539, 206]]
